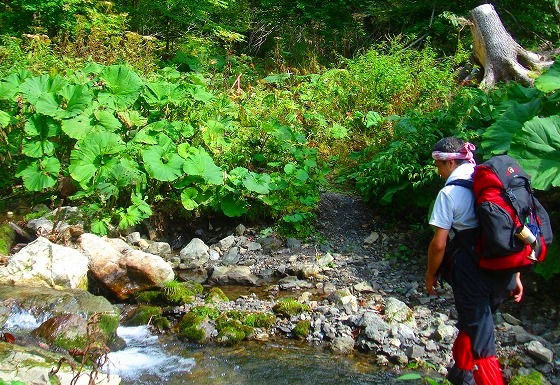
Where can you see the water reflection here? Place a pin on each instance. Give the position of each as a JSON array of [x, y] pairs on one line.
[[149, 360]]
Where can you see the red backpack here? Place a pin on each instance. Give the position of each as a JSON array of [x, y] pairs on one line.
[[507, 210]]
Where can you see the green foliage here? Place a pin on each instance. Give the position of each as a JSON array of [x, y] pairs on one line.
[[127, 142], [7, 238], [12, 382], [177, 293], [259, 320], [289, 307], [302, 328], [534, 378]]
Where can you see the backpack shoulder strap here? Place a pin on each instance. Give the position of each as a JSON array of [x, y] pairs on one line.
[[461, 182]]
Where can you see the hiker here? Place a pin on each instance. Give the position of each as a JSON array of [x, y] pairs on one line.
[[451, 256]]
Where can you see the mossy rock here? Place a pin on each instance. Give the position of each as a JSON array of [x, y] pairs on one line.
[[194, 287], [534, 378], [179, 293], [216, 295], [206, 311], [148, 296], [302, 328], [193, 334], [190, 319], [143, 315], [7, 239], [260, 320], [230, 335], [289, 307]]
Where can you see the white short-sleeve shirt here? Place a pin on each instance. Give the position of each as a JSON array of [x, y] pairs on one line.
[[454, 205]]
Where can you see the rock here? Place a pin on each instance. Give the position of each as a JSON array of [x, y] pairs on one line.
[[293, 243], [123, 270], [43, 263], [363, 287], [342, 345], [538, 351], [233, 274], [511, 319], [270, 243], [375, 328], [226, 243], [372, 238], [33, 365], [133, 238], [253, 246], [195, 254], [231, 257], [240, 230], [325, 260], [445, 333], [397, 311], [159, 248]]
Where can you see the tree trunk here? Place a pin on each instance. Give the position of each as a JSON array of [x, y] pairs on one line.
[[502, 58]]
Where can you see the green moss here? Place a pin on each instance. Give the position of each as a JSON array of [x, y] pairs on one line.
[[302, 329], [289, 307], [148, 296], [259, 320], [230, 335], [178, 293], [143, 315], [79, 342], [190, 319], [206, 311], [193, 334], [108, 323], [161, 322], [535, 378], [194, 287], [216, 295], [7, 238]]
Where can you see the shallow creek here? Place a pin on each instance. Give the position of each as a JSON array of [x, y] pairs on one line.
[[150, 360]]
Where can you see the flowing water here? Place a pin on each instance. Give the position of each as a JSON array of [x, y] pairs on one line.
[[150, 360]]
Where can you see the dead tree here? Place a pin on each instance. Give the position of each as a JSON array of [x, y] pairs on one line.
[[502, 58]]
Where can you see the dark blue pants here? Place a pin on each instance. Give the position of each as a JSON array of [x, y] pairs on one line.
[[478, 294]]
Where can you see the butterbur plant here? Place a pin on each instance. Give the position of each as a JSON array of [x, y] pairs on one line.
[[128, 143]]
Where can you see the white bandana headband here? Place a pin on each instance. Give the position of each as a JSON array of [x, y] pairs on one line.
[[464, 153]]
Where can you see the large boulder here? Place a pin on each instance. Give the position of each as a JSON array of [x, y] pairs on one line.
[[122, 270], [43, 263]]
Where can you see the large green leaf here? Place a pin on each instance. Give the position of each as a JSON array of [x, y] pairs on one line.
[[550, 80], [187, 198], [70, 101], [162, 93], [5, 119], [96, 155], [9, 86], [92, 119], [34, 88], [497, 138], [259, 183], [200, 163], [123, 87], [40, 174], [162, 164], [537, 148], [233, 207], [37, 130]]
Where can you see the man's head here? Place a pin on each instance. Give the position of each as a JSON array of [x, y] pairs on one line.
[[449, 153]]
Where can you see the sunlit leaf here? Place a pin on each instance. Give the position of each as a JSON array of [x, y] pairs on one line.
[[37, 148], [70, 101], [161, 164], [187, 198], [40, 174], [497, 138], [409, 376], [9, 86], [200, 163], [107, 119], [259, 183], [123, 87], [550, 80], [537, 149], [162, 93], [34, 88], [95, 155], [6, 119]]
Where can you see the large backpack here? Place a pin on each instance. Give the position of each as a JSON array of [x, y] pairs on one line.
[[504, 205]]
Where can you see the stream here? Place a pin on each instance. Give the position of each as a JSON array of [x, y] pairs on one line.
[[150, 360]]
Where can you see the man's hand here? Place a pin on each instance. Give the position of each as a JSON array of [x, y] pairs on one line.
[[431, 283], [517, 293]]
